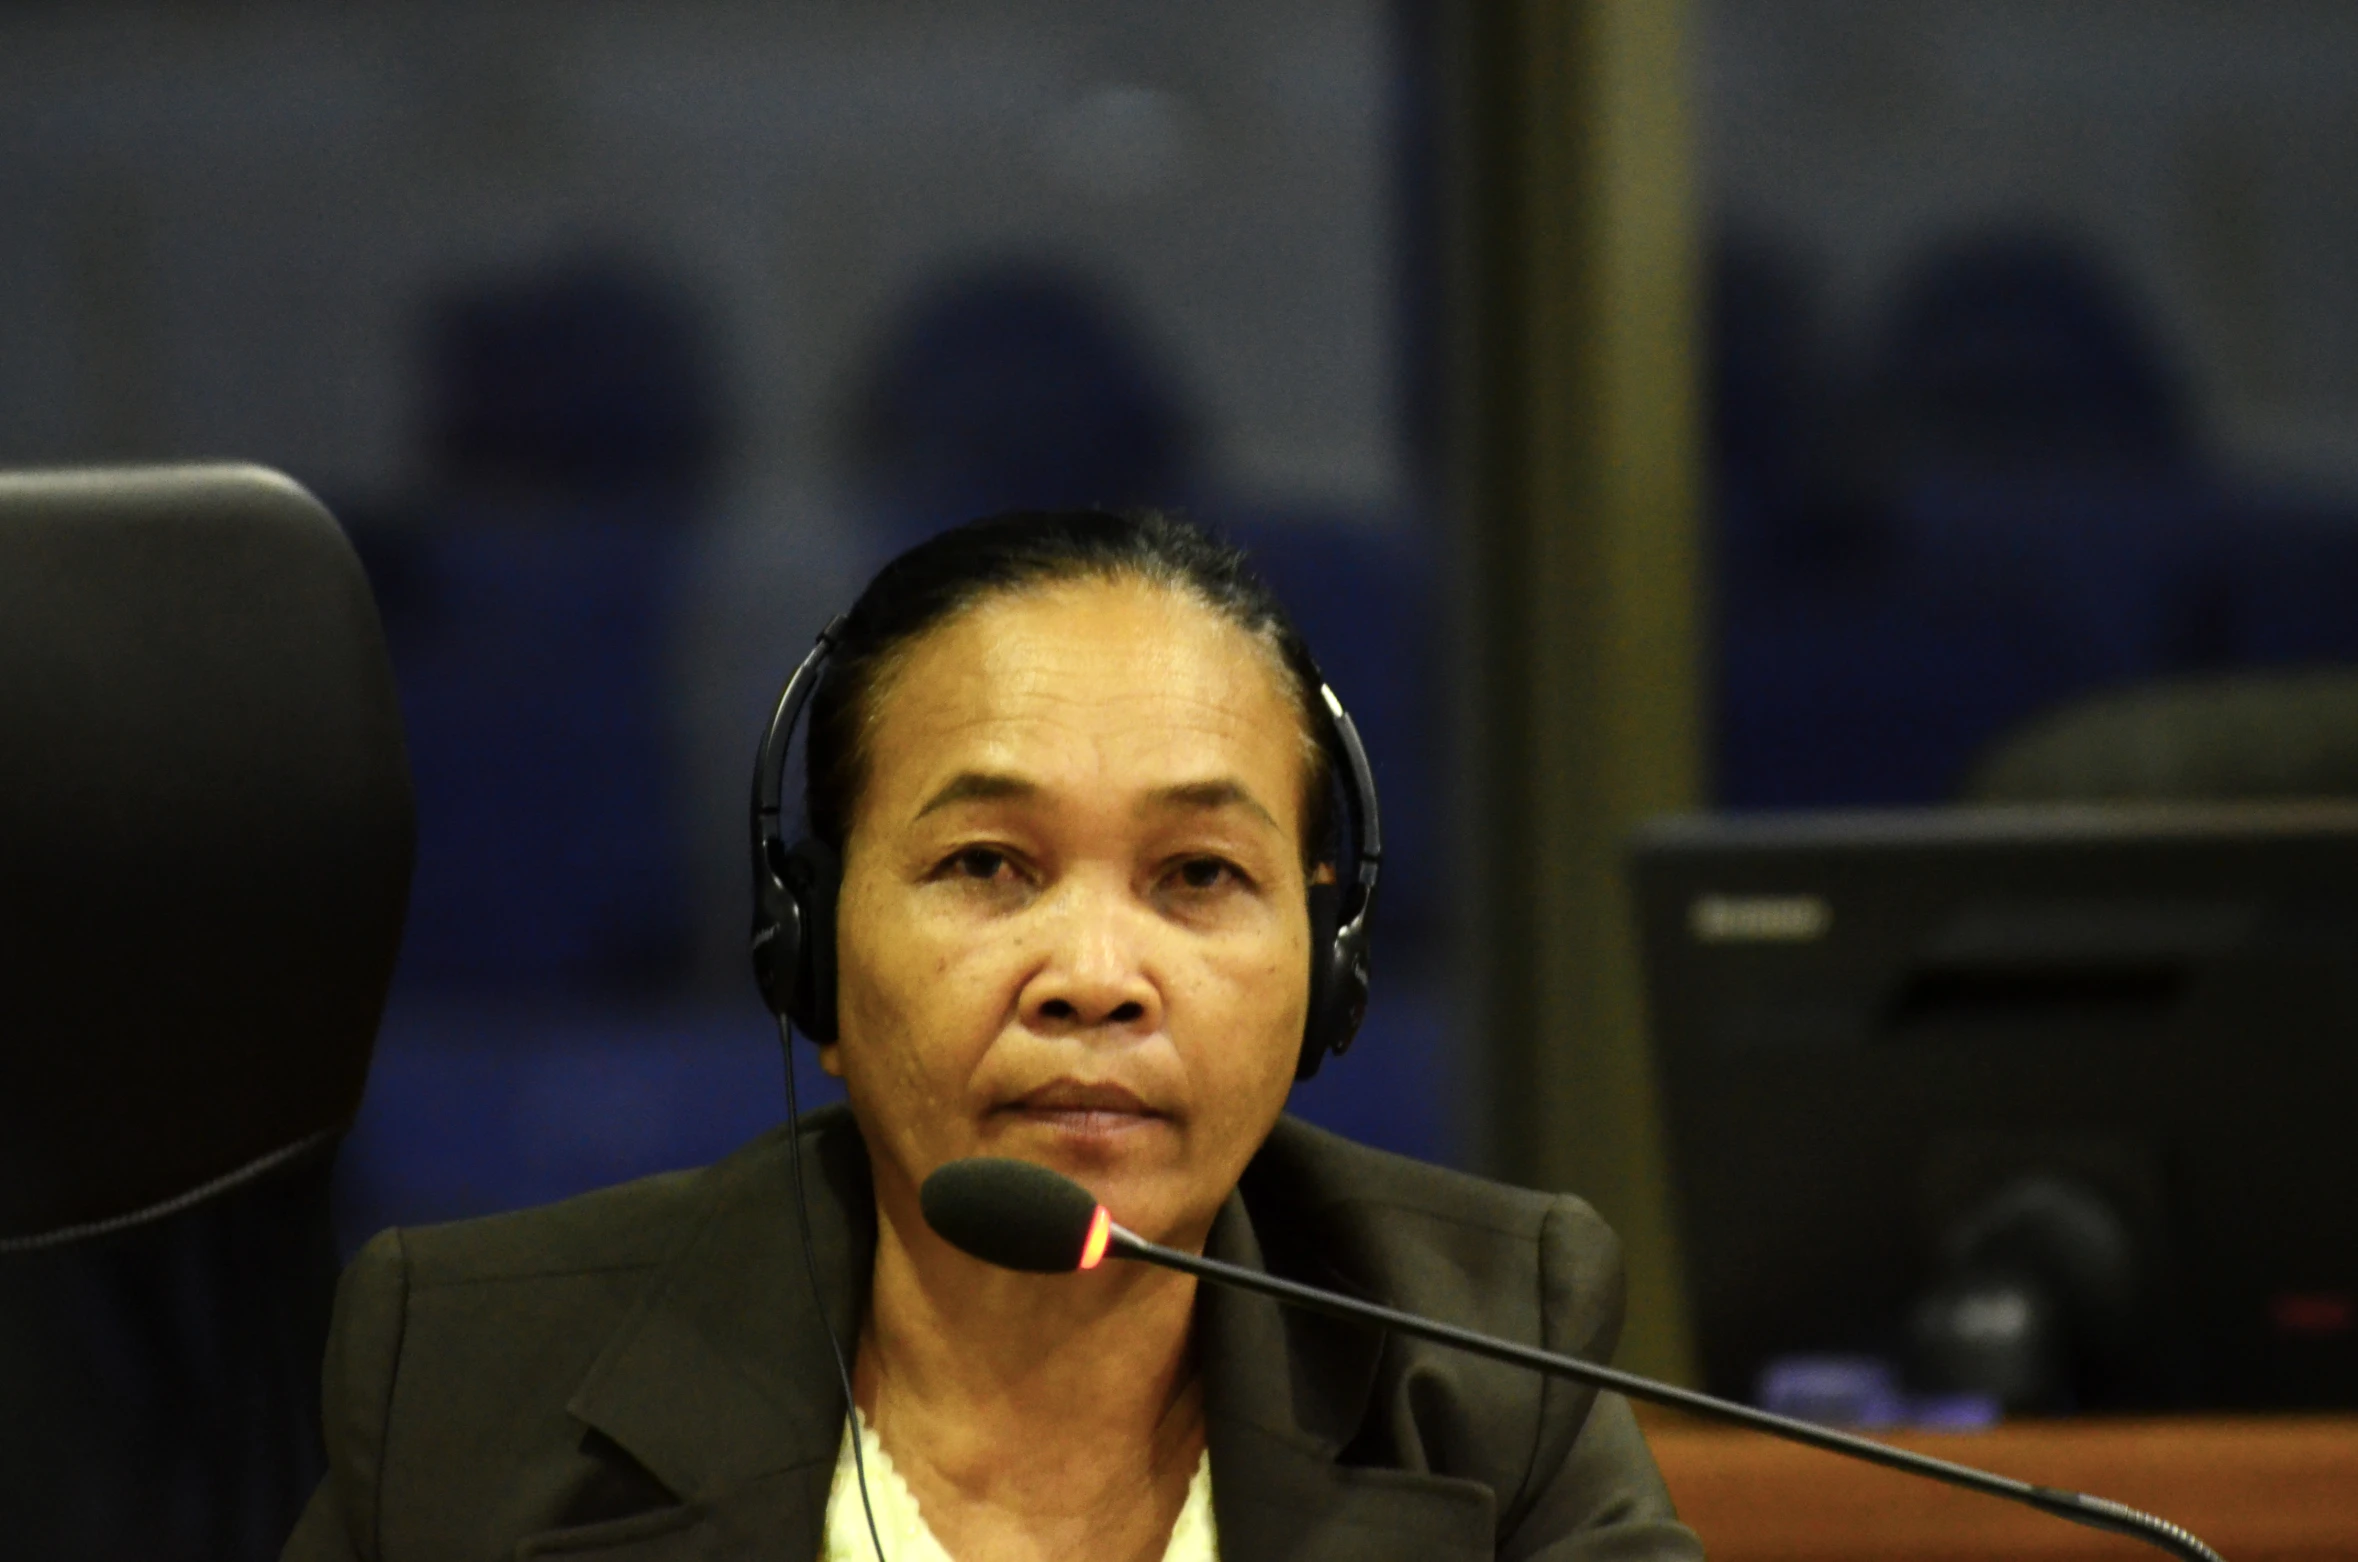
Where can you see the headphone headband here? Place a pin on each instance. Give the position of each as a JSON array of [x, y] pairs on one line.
[[769, 767], [1359, 793]]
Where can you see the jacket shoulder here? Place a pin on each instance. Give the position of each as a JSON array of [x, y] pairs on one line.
[[633, 1225], [451, 1340], [1538, 1266]]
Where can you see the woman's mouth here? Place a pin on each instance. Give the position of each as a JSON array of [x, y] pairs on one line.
[[1083, 1110]]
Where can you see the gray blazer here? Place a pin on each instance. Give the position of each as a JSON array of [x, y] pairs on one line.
[[640, 1373]]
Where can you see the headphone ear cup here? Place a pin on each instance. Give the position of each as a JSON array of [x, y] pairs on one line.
[[814, 877], [1326, 904], [1347, 989], [1338, 979], [777, 930]]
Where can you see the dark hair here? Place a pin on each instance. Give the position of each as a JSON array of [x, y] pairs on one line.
[[947, 574]]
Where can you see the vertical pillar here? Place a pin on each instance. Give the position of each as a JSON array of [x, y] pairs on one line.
[[1577, 289]]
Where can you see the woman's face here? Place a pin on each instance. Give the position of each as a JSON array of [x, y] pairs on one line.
[[1074, 925]]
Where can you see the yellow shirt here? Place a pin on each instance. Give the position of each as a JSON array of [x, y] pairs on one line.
[[903, 1529]]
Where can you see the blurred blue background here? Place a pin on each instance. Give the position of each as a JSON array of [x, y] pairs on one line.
[[2032, 362], [627, 340]]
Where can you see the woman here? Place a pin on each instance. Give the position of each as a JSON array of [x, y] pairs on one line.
[[1078, 780]]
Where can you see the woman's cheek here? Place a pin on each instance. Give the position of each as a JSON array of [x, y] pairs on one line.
[[1250, 1043], [959, 991]]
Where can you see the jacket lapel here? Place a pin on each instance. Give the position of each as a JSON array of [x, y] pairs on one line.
[[774, 1516], [722, 1384], [1284, 1392]]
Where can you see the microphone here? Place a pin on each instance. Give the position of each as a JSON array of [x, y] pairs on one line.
[[1017, 1215]]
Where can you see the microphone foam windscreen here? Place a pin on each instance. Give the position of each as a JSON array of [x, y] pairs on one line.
[[1010, 1213]]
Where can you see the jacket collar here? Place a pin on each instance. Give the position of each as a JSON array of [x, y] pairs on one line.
[[721, 1384], [723, 1373]]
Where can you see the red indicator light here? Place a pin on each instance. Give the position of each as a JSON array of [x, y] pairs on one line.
[[1100, 1236], [2313, 1315]]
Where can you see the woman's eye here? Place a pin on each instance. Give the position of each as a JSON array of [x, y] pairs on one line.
[[1206, 873], [977, 862]]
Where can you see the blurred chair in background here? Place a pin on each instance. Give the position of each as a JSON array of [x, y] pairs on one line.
[[2014, 350], [536, 600], [1013, 384], [2246, 737], [2019, 511], [1841, 679], [533, 607], [2039, 449], [205, 839]]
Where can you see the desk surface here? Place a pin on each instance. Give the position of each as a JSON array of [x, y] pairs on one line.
[[2258, 1489]]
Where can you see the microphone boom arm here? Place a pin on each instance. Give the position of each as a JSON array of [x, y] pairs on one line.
[[2093, 1512]]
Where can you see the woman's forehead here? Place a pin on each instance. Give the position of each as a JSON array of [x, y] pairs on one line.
[[1121, 681]]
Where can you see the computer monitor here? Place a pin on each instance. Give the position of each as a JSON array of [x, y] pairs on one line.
[[2115, 1047]]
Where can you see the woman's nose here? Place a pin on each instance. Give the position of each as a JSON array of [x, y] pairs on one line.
[[1096, 975]]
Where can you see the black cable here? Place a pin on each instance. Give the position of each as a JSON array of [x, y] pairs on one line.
[[2094, 1512], [810, 1264], [260, 1166]]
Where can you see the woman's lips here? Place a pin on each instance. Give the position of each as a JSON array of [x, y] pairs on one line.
[[1076, 1107]]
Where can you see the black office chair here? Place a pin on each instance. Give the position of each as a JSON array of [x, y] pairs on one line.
[[205, 840]]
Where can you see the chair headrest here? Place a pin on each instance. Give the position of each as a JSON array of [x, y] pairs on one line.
[[205, 833]]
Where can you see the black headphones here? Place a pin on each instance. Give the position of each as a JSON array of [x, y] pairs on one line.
[[794, 887]]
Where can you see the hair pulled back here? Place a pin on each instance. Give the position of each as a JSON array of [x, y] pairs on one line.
[[957, 570]]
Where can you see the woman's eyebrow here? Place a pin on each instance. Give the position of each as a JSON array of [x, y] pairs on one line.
[[979, 786], [986, 786], [1205, 796]]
